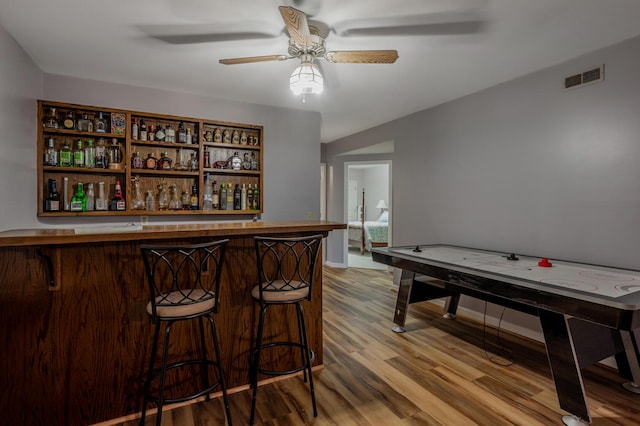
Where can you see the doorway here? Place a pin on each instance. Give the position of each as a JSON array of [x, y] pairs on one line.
[[374, 178]]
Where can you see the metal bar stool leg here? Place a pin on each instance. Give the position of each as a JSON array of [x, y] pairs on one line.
[[163, 372], [256, 362], [307, 352], [205, 369], [223, 385], [147, 383]]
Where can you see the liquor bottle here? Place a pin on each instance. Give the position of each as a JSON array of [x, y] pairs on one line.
[[117, 202], [90, 155], [160, 134], [165, 161], [79, 200], [195, 198], [69, 122], [137, 162], [101, 199], [91, 197], [66, 158], [150, 202], [143, 130], [51, 154], [186, 200], [151, 133], [134, 129], [174, 201], [254, 162], [181, 162], [207, 194], [237, 198], [78, 154], [170, 134], [65, 194], [101, 154], [163, 198], [51, 120], [52, 203], [207, 159], [84, 124], [249, 198], [215, 197], [256, 198], [115, 155], [223, 196], [100, 123], [189, 135], [137, 201], [182, 133], [243, 197], [246, 162], [151, 162], [193, 162], [229, 197]]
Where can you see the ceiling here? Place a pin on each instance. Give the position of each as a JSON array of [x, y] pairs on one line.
[[129, 42]]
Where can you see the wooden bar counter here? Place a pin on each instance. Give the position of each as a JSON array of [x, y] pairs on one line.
[[73, 324]]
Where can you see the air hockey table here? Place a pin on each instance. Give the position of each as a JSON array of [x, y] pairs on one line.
[[587, 312]]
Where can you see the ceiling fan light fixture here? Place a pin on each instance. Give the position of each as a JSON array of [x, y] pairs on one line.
[[306, 78]]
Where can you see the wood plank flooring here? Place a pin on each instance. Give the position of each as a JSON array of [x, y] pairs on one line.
[[437, 373]]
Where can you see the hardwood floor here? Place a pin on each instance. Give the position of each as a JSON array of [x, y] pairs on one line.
[[436, 373]]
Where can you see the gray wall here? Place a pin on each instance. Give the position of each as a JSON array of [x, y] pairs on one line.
[[20, 86], [522, 167], [292, 138]]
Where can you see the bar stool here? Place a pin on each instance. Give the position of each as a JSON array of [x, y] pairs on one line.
[[184, 285], [285, 276]]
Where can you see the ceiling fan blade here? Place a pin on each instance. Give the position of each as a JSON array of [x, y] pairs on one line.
[[297, 25], [251, 59], [362, 56], [209, 33], [442, 23]]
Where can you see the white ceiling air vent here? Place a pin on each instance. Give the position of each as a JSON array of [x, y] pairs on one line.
[[591, 76]]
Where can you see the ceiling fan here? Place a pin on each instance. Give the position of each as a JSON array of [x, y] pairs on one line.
[[307, 42]]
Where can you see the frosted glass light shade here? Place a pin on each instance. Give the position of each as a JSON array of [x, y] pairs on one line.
[[306, 79]]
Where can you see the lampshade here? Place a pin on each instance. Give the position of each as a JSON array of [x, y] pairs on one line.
[[381, 205], [306, 78]]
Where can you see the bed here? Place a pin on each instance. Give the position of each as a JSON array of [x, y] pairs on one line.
[[368, 234]]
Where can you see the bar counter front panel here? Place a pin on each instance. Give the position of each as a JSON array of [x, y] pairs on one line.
[[76, 351]]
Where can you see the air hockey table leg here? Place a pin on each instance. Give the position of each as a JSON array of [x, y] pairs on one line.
[[451, 306], [632, 359], [565, 368], [402, 302]]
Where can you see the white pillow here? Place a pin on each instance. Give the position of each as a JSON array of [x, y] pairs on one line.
[[384, 217]]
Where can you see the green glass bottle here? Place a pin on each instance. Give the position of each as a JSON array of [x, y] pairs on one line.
[[79, 200], [65, 155], [229, 197]]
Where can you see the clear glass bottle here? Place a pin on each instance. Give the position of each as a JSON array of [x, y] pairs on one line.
[[243, 197], [101, 154], [174, 201], [91, 197], [117, 202], [78, 154], [51, 154], [100, 123], [235, 162], [137, 202], [170, 134], [186, 200], [189, 135], [254, 161], [90, 154], [135, 129], [101, 199], [84, 124], [69, 121], [51, 120], [150, 201], [207, 194], [193, 162], [151, 133], [66, 157], [246, 162], [163, 197], [115, 155], [52, 203], [79, 200]]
